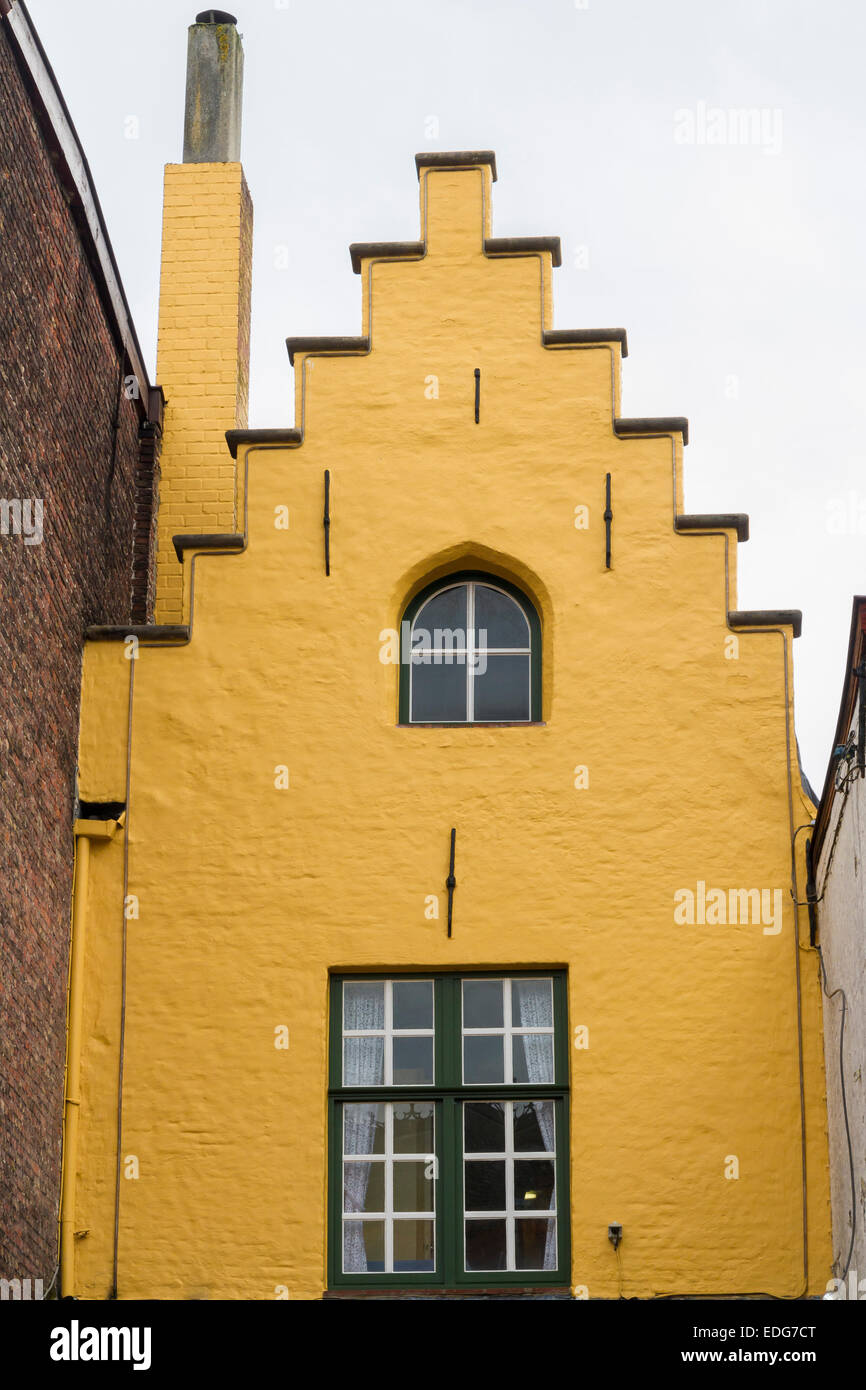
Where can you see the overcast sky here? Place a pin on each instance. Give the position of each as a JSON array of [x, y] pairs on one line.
[[733, 253]]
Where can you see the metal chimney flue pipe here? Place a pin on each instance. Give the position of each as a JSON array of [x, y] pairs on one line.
[[214, 90]]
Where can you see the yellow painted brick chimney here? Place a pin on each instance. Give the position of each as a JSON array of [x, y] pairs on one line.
[[204, 304]]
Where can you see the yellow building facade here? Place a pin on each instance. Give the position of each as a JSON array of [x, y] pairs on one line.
[[394, 972]]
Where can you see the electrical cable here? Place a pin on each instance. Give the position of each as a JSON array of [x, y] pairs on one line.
[[832, 995]]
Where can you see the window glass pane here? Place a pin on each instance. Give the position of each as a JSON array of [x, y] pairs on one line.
[[485, 1245], [413, 1190], [483, 1059], [363, 1061], [413, 1127], [413, 1247], [534, 1243], [413, 1003], [532, 1056], [448, 651], [534, 1185], [484, 1186], [482, 1004], [503, 618], [439, 693], [533, 1126], [444, 610], [364, 1186], [363, 1005], [413, 1061], [363, 1129], [532, 1003], [484, 1124], [363, 1247], [502, 692]]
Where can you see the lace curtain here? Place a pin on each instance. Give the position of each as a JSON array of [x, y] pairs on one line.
[[359, 1131], [363, 1007], [533, 1008]]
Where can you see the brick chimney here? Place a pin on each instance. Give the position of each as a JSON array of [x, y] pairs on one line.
[[204, 303]]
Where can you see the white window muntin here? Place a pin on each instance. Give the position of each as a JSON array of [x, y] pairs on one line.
[[506, 1032], [389, 1032], [510, 1214], [389, 1158], [471, 650]]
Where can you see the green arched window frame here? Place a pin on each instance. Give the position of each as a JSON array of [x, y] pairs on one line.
[[529, 611]]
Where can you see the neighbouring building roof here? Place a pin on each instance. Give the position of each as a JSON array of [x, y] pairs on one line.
[[856, 644], [73, 171]]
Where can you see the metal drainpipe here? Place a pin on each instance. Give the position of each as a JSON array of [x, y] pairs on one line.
[[85, 831]]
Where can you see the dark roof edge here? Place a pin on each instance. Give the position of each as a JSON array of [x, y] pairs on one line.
[[846, 708], [340, 347], [235, 438], [74, 173], [454, 159], [384, 250], [199, 541], [523, 246], [768, 617], [714, 521], [167, 632], [493, 246], [661, 424], [553, 337]]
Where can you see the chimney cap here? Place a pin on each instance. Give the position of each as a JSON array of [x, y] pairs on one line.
[[215, 17]]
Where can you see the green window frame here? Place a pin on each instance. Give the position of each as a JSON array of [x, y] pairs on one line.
[[425, 1166], [534, 652]]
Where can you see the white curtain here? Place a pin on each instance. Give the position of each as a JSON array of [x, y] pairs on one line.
[[533, 1008], [363, 1005], [359, 1132], [362, 1061], [363, 1008]]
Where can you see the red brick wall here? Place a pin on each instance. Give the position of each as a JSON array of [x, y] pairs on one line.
[[59, 374]]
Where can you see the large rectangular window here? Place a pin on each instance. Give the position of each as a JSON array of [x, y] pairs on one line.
[[448, 1130]]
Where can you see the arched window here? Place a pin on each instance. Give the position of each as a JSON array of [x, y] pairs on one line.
[[470, 654]]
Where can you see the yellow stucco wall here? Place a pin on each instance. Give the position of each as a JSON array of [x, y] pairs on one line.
[[248, 896]]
